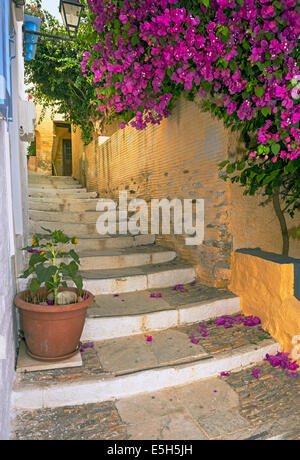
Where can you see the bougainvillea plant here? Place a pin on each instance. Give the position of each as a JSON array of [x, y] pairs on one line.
[[33, 8], [240, 56]]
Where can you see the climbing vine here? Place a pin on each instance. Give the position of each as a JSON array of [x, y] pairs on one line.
[[241, 58]]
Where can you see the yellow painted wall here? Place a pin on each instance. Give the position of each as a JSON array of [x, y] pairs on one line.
[[49, 142], [44, 142], [266, 289]]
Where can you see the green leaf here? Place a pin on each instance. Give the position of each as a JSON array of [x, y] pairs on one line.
[[275, 148], [27, 272], [44, 274], [78, 282], [74, 256], [241, 165], [34, 286], [231, 168], [266, 111], [259, 91], [223, 164], [36, 258], [46, 230], [270, 178], [135, 39]]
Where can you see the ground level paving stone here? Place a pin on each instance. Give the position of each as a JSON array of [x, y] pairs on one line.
[[238, 407]]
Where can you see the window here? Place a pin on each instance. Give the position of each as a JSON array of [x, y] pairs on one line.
[[6, 54]]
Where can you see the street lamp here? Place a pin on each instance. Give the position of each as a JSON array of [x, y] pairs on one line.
[[70, 11]]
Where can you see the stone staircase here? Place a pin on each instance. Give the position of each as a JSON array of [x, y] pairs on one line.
[[126, 273]]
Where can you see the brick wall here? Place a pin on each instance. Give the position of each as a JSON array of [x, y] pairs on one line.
[[179, 159]]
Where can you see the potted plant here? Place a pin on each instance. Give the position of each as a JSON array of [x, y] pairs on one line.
[[53, 314]]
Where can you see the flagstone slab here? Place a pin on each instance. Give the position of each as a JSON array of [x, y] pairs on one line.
[[205, 397], [27, 364], [130, 354], [223, 422], [168, 428], [141, 302], [143, 408]]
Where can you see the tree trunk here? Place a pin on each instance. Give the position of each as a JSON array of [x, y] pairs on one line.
[[283, 226]]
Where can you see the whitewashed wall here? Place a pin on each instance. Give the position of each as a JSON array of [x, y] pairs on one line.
[[7, 286], [13, 228]]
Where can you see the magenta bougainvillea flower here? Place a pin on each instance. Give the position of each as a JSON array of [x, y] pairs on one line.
[[86, 346], [230, 321], [256, 372], [179, 288], [243, 54], [284, 361]]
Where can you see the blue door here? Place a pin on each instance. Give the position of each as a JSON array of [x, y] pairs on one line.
[[6, 35]]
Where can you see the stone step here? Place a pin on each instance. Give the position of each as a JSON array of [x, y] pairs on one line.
[[59, 186], [124, 258], [128, 366], [39, 179], [51, 193], [54, 191], [90, 243], [78, 195], [70, 229], [137, 312], [99, 243], [65, 217], [137, 278], [66, 204]]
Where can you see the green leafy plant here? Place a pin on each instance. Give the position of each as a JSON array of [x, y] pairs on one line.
[[55, 75], [48, 252], [31, 150]]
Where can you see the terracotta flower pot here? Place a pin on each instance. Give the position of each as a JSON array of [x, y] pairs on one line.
[[52, 333]]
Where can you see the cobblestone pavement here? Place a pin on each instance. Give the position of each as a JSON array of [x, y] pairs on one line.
[[234, 407]]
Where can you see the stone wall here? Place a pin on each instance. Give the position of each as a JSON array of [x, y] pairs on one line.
[[179, 159]]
